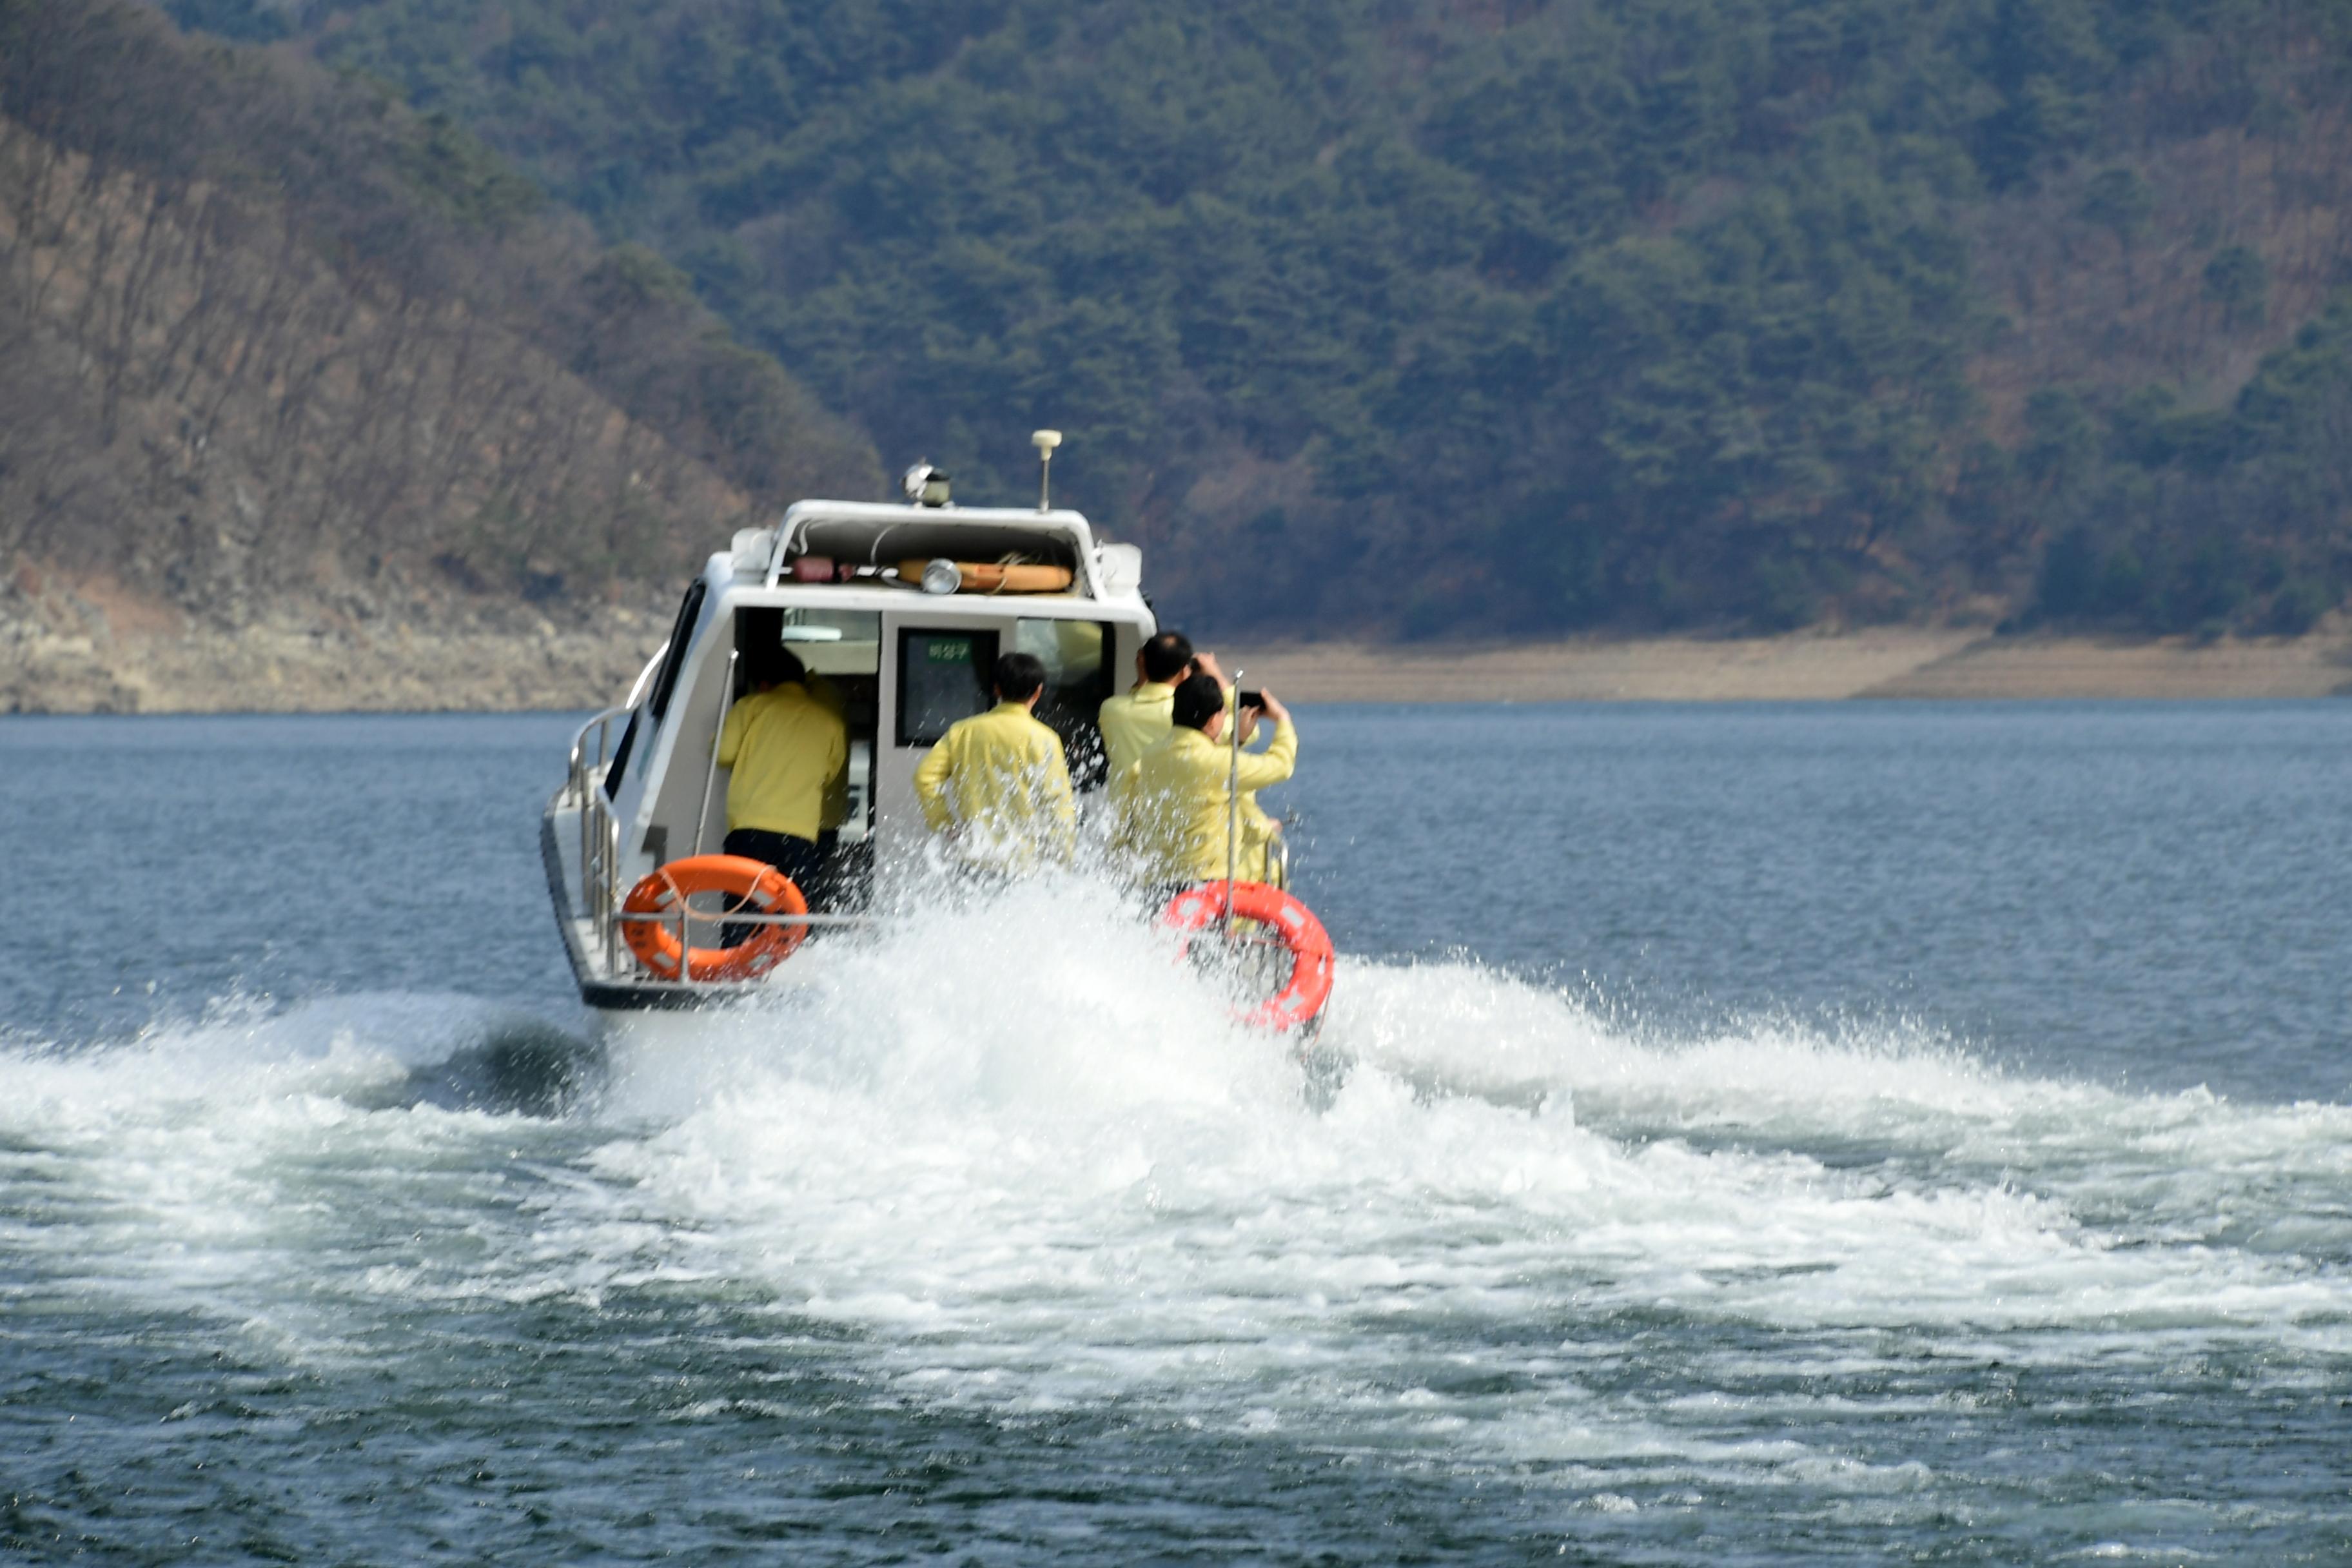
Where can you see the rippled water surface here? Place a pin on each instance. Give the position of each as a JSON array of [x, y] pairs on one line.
[[1857, 1133]]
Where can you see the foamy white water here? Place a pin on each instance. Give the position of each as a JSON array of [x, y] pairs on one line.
[[1027, 1165], [1042, 1176]]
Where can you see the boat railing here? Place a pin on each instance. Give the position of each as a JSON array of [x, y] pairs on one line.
[[599, 836], [685, 918]]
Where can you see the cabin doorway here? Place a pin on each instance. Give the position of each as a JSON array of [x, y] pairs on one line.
[[841, 651]]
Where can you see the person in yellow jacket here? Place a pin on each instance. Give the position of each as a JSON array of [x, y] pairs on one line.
[[997, 785], [1260, 833], [1174, 800], [1139, 719], [785, 749], [1135, 720]]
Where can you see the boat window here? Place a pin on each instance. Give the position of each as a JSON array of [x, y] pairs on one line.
[[1076, 656], [833, 642], [943, 676], [664, 682], [680, 636], [620, 759]]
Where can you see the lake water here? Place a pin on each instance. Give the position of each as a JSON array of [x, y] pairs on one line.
[[1779, 1133]]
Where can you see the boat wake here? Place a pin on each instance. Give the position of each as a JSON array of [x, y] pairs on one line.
[[1014, 1163]]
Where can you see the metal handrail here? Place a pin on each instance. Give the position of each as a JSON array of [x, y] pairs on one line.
[[685, 914], [599, 836], [746, 918], [600, 723]]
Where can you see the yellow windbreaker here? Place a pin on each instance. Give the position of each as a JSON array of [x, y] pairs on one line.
[[1173, 805], [785, 749], [1134, 721], [998, 785]]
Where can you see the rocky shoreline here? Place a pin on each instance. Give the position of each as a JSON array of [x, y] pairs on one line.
[[95, 649]]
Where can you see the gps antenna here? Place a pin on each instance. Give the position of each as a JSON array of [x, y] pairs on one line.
[[1046, 441]]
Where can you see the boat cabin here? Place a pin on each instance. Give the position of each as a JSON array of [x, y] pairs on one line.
[[901, 611]]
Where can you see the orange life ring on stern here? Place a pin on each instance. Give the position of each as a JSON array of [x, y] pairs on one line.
[[767, 891], [1311, 958]]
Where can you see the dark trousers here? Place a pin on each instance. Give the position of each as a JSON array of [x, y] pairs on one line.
[[798, 858]]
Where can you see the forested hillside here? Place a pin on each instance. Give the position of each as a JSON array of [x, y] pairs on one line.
[[1545, 314], [268, 338]]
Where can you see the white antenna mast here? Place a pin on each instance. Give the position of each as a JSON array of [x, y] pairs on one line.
[[1046, 441]]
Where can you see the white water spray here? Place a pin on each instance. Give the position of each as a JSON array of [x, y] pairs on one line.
[[1025, 1162]]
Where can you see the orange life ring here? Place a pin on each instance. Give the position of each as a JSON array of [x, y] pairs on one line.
[[1311, 958], [662, 891]]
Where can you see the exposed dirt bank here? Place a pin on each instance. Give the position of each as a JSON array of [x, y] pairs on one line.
[[92, 648], [2316, 665], [1807, 666]]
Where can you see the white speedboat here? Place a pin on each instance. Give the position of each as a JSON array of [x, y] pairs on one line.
[[903, 609]]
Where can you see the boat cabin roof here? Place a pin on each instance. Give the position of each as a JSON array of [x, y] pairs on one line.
[[880, 534]]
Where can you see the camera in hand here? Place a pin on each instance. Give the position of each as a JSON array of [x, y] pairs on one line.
[[1248, 698]]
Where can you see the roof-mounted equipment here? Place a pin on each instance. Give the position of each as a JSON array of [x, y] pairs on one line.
[[925, 485], [1046, 441]]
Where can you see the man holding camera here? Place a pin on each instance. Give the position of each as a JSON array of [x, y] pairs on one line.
[[1138, 720], [1175, 801]]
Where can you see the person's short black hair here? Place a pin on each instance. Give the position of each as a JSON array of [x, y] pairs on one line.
[[1019, 676], [1197, 700], [1166, 656], [769, 665]]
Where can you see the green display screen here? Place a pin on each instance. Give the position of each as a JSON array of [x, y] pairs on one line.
[[942, 677]]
